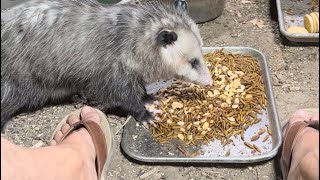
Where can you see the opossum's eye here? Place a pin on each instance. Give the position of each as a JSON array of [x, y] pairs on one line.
[[194, 63], [166, 38]]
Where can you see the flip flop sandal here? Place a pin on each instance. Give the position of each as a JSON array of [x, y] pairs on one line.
[[289, 140], [102, 138]]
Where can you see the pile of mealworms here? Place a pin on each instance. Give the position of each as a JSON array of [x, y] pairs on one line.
[[199, 115]]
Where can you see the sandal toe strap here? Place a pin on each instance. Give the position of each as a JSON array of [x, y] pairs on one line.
[[98, 139]]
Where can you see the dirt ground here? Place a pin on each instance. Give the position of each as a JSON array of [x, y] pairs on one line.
[[294, 69]]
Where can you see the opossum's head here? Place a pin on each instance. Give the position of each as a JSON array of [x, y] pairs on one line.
[[170, 45], [179, 44], [180, 50]]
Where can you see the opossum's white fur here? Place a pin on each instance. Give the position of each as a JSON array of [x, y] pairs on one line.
[[54, 49], [183, 50]]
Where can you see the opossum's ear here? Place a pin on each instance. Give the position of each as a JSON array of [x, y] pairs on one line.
[[165, 38], [181, 5]]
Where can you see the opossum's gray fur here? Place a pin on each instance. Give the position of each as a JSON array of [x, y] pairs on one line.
[[58, 48]]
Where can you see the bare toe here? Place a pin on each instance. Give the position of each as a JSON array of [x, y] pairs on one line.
[[315, 117], [89, 114], [53, 142], [65, 128], [57, 136], [72, 119], [302, 114]]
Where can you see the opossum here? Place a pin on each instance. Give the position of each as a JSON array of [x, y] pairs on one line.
[[54, 49]]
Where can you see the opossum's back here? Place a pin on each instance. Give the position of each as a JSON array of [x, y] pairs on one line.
[[44, 40], [77, 34]]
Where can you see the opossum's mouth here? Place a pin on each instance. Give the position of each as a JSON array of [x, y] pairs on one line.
[[183, 78], [178, 77], [207, 81]]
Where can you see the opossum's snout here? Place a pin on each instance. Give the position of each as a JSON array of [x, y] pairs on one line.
[[197, 73], [205, 78]]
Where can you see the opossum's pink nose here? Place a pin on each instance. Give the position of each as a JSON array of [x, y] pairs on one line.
[[207, 82], [207, 79], [210, 82]]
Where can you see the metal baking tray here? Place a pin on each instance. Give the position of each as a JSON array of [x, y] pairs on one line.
[[137, 141], [300, 8]]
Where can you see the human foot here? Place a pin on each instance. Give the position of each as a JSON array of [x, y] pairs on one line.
[[300, 115], [81, 155], [304, 115], [300, 153], [90, 141], [80, 140]]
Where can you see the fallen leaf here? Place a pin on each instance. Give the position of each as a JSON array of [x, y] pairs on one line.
[[294, 88], [38, 144], [149, 173], [258, 22], [238, 14], [176, 105], [245, 2]]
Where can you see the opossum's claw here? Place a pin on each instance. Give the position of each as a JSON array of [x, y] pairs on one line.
[[153, 108], [156, 111], [152, 123], [146, 124], [157, 119]]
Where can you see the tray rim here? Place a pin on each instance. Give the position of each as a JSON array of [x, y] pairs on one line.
[[313, 37], [224, 159]]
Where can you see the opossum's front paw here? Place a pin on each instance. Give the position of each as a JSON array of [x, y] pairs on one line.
[[148, 99], [146, 118], [82, 99], [153, 108], [78, 101], [146, 124]]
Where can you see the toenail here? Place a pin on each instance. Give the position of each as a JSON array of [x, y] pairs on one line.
[[53, 143], [302, 113], [65, 128], [72, 119], [58, 135], [86, 110]]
